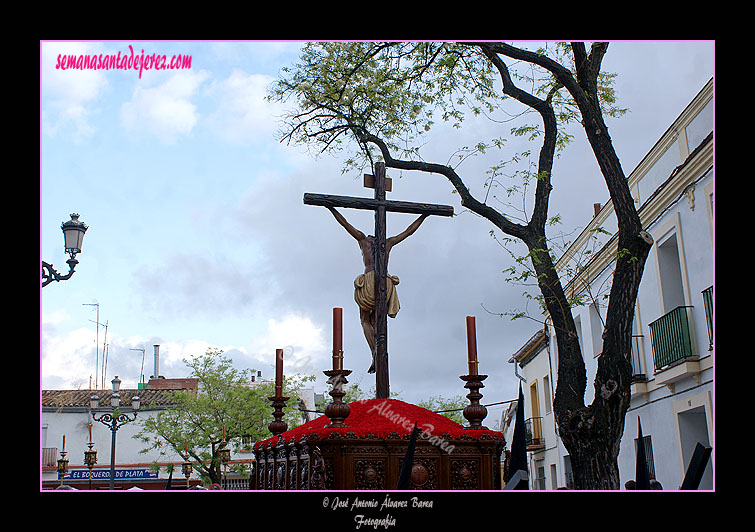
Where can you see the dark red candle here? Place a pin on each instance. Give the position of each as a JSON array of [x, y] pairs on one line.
[[472, 345], [279, 372], [337, 338]]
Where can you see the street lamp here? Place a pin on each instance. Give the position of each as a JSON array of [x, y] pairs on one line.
[[186, 469], [114, 418], [224, 453], [73, 235], [90, 456], [62, 462]]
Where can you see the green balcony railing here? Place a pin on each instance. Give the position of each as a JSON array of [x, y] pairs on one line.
[[671, 338], [533, 430], [708, 302]]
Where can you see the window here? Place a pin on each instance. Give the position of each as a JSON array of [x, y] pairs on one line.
[[547, 393], [596, 329], [637, 357], [708, 194], [693, 421], [536, 431], [534, 400], [539, 479], [554, 477], [670, 273], [671, 333], [670, 263]]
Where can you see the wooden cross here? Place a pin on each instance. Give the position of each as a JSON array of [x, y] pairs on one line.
[[380, 205]]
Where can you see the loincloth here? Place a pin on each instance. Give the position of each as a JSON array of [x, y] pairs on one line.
[[364, 292]]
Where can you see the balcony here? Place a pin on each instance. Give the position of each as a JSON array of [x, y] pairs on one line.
[[639, 377], [708, 303], [671, 338], [534, 434], [674, 352], [638, 372], [49, 456]]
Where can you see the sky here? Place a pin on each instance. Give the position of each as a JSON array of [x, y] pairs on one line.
[[198, 236]]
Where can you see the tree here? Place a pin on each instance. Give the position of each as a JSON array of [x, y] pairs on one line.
[[225, 402], [384, 97], [450, 407]]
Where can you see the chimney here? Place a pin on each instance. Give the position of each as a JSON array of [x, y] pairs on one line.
[[596, 208], [157, 362]]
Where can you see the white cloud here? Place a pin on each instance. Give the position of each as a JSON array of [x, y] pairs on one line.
[[69, 96], [243, 114], [165, 111], [67, 358], [55, 317], [207, 286], [303, 344]]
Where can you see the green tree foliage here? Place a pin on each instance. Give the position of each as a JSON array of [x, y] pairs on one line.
[[379, 101], [450, 407], [226, 400]]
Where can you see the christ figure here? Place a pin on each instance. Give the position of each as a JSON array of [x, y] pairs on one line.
[[365, 283]]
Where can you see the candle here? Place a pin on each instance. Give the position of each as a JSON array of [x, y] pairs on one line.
[[472, 345], [279, 372], [64, 442], [223, 431], [337, 338], [90, 433], [186, 447]]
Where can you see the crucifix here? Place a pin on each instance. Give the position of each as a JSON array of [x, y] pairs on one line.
[[380, 246]]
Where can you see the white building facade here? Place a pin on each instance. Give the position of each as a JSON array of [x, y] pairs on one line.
[[66, 414], [68, 424], [673, 345]]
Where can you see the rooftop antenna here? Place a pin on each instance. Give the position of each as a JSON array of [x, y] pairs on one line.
[[141, 375], [96, 342], [105, 352]]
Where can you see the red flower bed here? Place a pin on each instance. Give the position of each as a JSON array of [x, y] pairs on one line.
[[380, 417]]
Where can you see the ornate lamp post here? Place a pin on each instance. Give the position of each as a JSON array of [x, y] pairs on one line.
[[73, 235], [114, 419], [186, 469], [62, 462], [90, 456]]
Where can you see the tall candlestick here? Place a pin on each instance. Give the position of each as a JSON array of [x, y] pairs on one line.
[[472, 345], [279, 372], [337, 338]]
